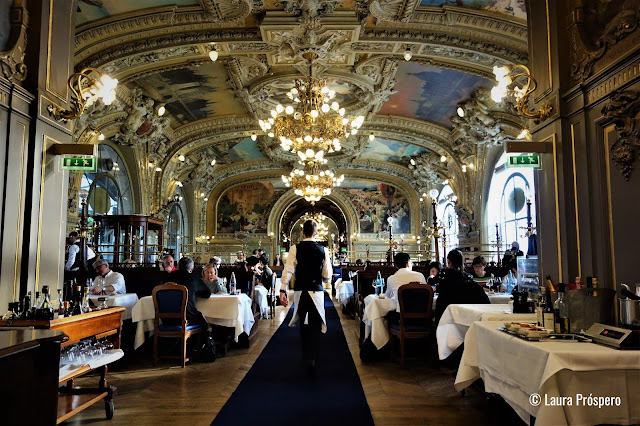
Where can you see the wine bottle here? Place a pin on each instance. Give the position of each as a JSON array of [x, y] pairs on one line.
[[541, 306], [77, 301], [26, 306], [551, 288], [548, 314], [232, 283], [560, 310]]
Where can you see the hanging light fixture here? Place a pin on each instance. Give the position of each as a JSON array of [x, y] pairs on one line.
[[315, 123], [312, 182], [322, 230]]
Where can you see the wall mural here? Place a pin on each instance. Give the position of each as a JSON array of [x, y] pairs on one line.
[[88, 12], [246, 207], [375, 202], [430, 93], [388, 150], [508, 7]]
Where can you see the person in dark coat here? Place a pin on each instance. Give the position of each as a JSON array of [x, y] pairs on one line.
[[196, 288], [454, 286]]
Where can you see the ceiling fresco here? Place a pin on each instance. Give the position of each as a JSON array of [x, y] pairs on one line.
[[193, 93], [388, 150], [515, 8], [88, 12], [234, 151], [430, 93]]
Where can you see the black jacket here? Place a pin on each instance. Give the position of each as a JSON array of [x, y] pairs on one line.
[[266, 278], [196, 288], [457, 287]]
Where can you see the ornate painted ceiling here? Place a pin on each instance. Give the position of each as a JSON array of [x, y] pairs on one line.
[[159, 51]]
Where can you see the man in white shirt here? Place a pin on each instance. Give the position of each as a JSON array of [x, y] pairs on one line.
[[403, 276], [73, 260], [108, 281], [311, 263]]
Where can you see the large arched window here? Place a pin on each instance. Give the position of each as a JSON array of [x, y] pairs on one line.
[[108, 189], [507, 204], [446, 212], [177, 225]]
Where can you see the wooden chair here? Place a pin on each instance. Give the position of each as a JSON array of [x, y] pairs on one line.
[[416, 304], [170, 303]]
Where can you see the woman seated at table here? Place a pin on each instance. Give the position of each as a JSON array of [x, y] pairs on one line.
[[264, 279], [479, 275], [210, 277], [434, 270]]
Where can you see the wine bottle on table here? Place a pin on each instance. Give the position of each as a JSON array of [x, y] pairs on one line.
[[540, 307], [77, 301], [548, 315], [561, 311], [232, 283]]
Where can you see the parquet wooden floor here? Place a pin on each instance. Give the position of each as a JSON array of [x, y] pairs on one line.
[[419, 394]]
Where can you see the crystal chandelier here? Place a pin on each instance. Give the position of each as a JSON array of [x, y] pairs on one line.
[[312, 182], [319, 218], [315, 123]]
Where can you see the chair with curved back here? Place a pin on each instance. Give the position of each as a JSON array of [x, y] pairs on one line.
[[170, 303], [416, 305]]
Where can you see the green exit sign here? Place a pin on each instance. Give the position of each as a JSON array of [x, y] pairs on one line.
[[87, 163], [524, 161]]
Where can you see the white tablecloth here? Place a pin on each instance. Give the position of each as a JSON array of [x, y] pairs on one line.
[[224, 310], [127, 300], [516, 369], [375, 310], [344, 291], [456, 320]]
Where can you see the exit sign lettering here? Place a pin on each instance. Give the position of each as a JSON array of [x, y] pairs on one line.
[[86, 163], [524, 161]]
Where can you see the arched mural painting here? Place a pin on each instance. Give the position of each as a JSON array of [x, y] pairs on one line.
[[375, 203], [246, 207]]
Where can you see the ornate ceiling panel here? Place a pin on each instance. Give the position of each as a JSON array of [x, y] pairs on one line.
[[430, 93], [515, 8], [158, 49], [193, 94]]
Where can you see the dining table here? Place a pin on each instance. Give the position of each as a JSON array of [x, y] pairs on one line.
[[555, 382], [127, 300], [344, 291], [457, 319], [220, 309]]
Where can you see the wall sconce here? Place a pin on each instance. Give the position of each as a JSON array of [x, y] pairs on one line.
[[407, 54], [86, 86], [506, 76], [254, 136], [161, 110], [443, 158], [460, 111]]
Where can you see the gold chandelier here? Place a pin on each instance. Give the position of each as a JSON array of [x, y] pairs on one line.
[[312, 182], [315, 123]]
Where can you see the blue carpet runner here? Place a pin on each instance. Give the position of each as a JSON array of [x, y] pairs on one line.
[[278, 391]]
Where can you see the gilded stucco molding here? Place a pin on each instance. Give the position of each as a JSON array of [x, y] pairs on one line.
[[622, 110], [593, 31], [132, 44], [12, 59], [394, 10], [470, 42]]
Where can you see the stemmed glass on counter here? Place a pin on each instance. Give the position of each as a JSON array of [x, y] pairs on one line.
[[84, 351]]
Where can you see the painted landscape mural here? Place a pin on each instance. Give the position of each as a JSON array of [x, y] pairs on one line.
[[375, 203]]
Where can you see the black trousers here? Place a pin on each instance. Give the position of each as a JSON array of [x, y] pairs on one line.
[[309, 333]]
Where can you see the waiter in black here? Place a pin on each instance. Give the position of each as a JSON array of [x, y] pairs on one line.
[[311, 263]]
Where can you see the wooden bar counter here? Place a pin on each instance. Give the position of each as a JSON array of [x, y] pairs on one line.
[[104, 323]]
